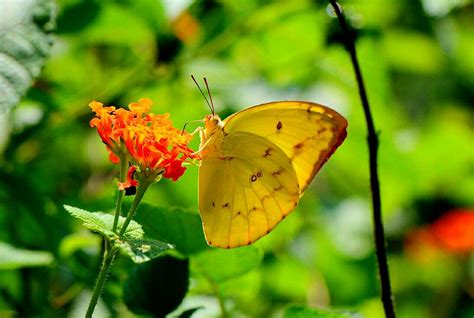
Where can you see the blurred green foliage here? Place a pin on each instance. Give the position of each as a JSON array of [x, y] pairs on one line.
[[417, 62]]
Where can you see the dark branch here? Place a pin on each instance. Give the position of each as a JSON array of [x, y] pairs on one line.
[[387, 298]]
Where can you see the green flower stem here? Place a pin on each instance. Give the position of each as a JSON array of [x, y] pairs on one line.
[[141, 189], [120, 194], [109, 255], [110, 251]]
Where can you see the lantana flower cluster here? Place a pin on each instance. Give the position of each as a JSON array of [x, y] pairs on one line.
[[148, 141]]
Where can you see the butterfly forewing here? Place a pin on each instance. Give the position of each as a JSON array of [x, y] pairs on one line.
[[245, 189], [307, 133]]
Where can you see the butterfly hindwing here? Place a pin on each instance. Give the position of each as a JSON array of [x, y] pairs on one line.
[[245, 189], [307, 133]]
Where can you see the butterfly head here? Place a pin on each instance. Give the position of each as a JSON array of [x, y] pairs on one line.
[[212, 122], [212, 134]]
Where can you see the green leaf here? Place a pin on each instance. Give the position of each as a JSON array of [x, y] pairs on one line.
[[102, 223], [13, 258], [139, 249], [24, 45], [306, 312], [142, 250], [287, 278], [157, 287], [183, 229], [77, 241], [76, 16], [220, 265]]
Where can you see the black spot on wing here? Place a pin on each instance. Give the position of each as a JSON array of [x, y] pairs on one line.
[[267, 152], [298, 146], [239, 213], [254, 177], [254, 209], [280, 187], [277, 172], [279, 125]]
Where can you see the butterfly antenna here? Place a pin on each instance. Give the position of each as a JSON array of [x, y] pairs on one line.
[[184, 128], [203, 95], [210, 96], [190, 122]]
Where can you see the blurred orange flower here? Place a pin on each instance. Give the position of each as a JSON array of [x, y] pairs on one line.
[[455, 230], [149, 141], [186, 27], [452, 233]]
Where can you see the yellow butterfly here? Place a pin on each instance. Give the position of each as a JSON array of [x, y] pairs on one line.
[[257, 163]]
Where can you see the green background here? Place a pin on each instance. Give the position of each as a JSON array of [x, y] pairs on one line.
[[418, 64]]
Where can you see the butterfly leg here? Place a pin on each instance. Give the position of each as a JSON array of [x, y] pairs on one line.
[[197, 130], [203, 146]]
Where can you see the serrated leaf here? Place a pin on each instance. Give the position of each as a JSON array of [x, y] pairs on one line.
[[182, 228], [13, 258], [24, 45], [142, 250], [307, 312], [102, 223], [139, 249], [220, 265]]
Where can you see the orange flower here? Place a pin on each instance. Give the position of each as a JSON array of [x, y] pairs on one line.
[[455, 230], [107, 128], [148, 140], [452, 233]]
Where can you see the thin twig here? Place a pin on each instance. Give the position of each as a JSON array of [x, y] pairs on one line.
[[387, 298]]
